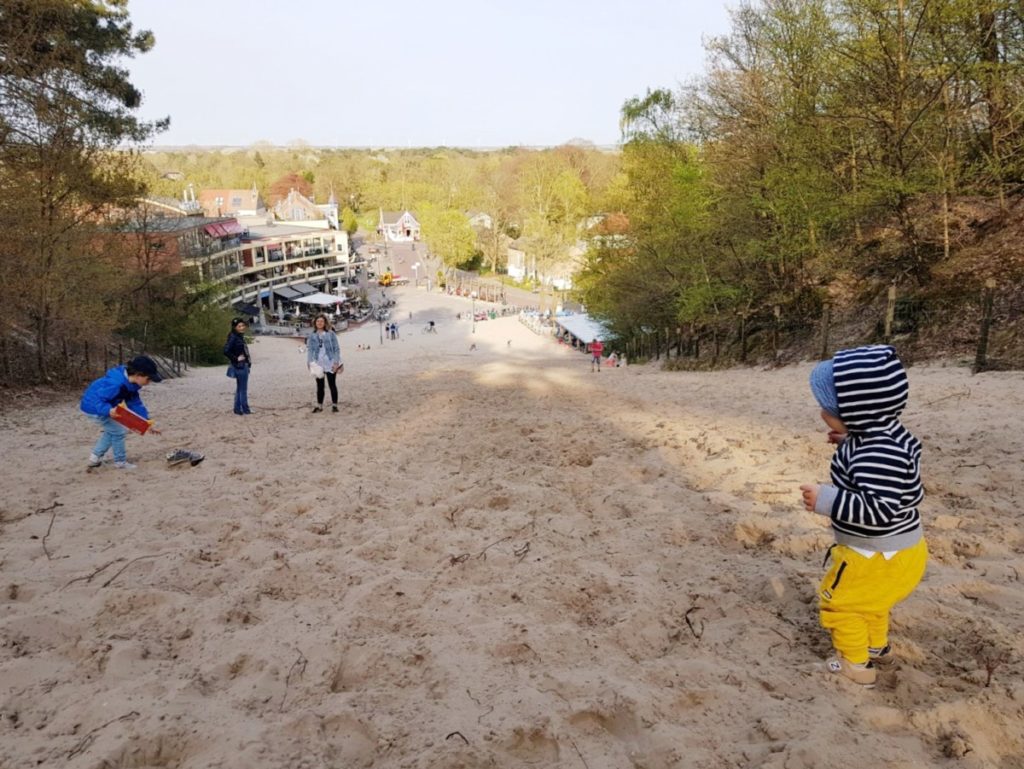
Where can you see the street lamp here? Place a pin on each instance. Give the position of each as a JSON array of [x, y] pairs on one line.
[[473, 297]]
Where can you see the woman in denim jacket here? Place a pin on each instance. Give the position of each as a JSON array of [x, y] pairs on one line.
[[323, 352]]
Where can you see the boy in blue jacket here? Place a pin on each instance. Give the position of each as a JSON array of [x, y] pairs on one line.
[[99, 402], [879, 555]]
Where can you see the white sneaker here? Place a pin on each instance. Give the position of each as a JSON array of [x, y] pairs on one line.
[[94, 461], [124, 465]]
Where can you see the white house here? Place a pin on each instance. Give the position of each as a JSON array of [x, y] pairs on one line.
[[398, 226], [558, 275], [480, 220], [517, 265]]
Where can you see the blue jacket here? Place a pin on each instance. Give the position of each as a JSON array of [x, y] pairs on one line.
[[109, 390], [330, 344]]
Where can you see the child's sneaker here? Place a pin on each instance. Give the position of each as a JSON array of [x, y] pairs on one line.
[[94, 461], [863, 674], [124, 465], [883, 656]]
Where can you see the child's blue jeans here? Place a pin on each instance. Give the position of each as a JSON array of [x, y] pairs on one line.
[[111, 437]]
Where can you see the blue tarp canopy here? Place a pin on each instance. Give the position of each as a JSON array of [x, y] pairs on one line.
[[582, 326]]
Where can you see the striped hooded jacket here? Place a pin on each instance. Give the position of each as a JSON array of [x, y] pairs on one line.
[[876, 470]]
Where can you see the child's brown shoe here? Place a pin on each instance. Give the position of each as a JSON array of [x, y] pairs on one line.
[[864, 674]]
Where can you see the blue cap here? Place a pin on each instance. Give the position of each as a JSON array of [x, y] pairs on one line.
[[823, 385]]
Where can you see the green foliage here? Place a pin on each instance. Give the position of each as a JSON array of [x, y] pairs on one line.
[[349, 220], [205, 329], [818, 127], [196, 316], [66, 106], [448, 233]]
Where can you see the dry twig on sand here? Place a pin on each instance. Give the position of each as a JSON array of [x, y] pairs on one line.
[[86, 741], [133, 560], [576, 748], [300, 664], [88, 577], [690, 624], [29, 515], [53, 517]]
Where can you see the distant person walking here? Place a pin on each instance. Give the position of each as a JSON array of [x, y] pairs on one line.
[[239, 364], [596, 348], [323, 358]]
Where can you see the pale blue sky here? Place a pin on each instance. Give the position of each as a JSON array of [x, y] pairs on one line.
[[411, 72]]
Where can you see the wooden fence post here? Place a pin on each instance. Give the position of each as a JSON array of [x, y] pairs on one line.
[[890, 312], [777, 313], [981, 357], [743, 337], [826, 320]]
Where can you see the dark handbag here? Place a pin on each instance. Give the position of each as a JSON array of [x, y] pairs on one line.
[[231, 372]]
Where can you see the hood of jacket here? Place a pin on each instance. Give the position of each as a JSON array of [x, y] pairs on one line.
[[871, 387]]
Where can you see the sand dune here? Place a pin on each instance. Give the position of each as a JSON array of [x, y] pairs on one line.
[[493, 558]]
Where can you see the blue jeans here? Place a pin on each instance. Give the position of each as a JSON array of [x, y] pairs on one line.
[[242, 390], [111, 437]]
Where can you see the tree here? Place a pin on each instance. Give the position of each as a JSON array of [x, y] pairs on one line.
[[65, 108], [448, 233], [349, 221], [292, 181]]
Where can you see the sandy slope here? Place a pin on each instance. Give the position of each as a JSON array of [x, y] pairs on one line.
[[493, 558]]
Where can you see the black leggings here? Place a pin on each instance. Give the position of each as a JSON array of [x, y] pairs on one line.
[[330, 383]]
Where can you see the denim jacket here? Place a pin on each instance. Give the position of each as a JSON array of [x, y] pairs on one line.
[[330, 345]]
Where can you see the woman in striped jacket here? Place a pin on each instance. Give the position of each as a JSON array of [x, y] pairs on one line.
[[879, 554]]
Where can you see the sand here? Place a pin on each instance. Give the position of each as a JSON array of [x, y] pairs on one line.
[[493, 558]]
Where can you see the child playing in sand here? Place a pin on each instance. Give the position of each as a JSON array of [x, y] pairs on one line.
[[879, 554], [100, 400]]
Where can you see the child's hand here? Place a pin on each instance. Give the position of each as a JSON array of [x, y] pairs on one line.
[[810, 494], [113, 412], [155, 431], [834, 436]]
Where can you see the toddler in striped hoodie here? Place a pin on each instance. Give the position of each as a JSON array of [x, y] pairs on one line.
[[879, 554]]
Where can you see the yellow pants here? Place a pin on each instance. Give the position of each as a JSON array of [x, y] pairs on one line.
[[857, 593]]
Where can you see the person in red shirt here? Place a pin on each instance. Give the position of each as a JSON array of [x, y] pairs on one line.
[[596, 348]]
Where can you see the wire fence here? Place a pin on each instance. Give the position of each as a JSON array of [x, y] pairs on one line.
[[75, 360], [987, 329]]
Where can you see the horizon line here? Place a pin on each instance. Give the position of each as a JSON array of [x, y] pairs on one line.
[[384, 147]]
